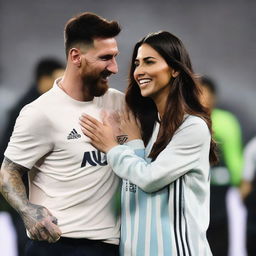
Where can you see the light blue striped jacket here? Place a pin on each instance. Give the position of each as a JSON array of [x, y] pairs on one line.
[[165, 203]]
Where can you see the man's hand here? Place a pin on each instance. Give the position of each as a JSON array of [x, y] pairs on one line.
[[40, 223]]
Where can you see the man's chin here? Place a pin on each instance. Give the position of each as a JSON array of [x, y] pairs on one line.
[[101, 91]]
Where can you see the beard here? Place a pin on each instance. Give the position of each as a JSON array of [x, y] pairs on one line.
[[95, 84]]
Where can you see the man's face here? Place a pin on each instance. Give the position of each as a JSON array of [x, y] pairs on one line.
[[98, 63]]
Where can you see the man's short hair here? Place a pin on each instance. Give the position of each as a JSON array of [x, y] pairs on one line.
[[87, 26]]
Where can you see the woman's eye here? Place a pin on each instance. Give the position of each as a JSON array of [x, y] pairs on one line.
[[147, 62]]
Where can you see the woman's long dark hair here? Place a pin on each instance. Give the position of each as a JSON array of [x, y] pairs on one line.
[[182, 99]]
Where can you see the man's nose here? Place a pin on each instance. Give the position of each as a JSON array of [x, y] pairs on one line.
[[112, 66]]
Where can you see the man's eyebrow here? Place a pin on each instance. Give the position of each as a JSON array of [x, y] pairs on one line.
[[108, 55]]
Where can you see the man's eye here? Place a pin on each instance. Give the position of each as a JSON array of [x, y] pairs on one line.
[[105, 58]]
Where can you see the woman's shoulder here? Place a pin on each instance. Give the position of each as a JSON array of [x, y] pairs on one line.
[[192, 132], [194, 126], [194, 120]]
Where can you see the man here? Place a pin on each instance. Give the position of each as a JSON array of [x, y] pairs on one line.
[[70, 210], [227, 173]]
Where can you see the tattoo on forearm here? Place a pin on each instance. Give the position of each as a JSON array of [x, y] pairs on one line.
[[121, 139], [13, 166], [11, 185], [13, 189]]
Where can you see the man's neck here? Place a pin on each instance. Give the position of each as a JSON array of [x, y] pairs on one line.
[[73, 86]]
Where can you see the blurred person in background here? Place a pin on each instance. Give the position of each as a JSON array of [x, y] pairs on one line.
[[228, 135], [46, 71], [248, 192]]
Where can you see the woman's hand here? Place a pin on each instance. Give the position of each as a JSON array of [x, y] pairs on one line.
[[129, 125], [101, 134]]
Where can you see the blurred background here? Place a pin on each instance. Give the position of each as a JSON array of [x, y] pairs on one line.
[[219, 36]]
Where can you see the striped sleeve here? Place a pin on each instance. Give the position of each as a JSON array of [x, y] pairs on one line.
[[137, 146], [181, 155]]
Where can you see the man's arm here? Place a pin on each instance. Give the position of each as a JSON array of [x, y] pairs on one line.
[[39, 222]]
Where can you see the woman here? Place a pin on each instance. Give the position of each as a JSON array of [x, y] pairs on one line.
[[165, 192]]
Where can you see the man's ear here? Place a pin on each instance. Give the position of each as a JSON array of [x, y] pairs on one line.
[[75, 56]]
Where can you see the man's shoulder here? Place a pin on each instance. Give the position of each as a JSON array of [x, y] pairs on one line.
[[39, 105], [43, 99], [111, 92], [112, 99], [225, 122], [221, 114]]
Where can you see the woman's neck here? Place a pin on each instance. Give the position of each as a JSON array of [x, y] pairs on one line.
[[160, 105]]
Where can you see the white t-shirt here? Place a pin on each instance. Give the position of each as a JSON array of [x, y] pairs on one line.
[[68, 175]]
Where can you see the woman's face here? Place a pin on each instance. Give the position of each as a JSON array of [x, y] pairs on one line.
[[152, 73]]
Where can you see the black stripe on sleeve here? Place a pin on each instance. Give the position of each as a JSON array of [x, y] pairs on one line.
[[175, 217], [180, 216]]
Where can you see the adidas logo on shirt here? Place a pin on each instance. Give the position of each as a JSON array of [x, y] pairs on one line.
[[73, 135]]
